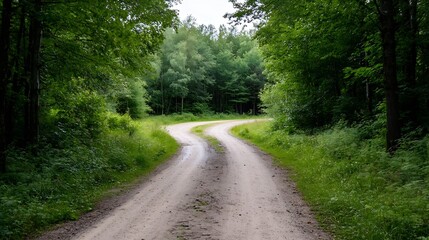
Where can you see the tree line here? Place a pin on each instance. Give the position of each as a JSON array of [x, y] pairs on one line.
[[201, 69], [355, 61], [63, 64]]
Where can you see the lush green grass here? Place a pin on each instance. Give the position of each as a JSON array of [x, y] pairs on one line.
[[199, 130], [357, 190], [60, 183]]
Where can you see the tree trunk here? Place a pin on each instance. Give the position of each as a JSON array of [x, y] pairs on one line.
[[411, 31], [255, 98], [33, 72], [162, 96], [182, 106], [369, 98], [16, 77], [4, 68], [386, 14]]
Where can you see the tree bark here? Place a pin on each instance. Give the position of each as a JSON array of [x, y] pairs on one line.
[[388, 31], [411, 31], [33, 71], [16, 78], [4, 72]]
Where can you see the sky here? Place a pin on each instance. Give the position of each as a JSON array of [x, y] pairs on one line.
[[206, 11]]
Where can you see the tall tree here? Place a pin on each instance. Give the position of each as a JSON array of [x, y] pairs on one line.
[[386, 12], [328, 70], [409, 34], [32, 70], [4, 68], [87, 52]]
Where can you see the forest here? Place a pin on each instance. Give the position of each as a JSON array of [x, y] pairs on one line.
[[355, 61], [79, 80], [347, 86], [203, 70]]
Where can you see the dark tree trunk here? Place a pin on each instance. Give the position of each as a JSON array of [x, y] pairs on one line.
[[181, 111], [162, 96], [369, 98], [388, 30], [33, 71], [4, 72], [16, 77], [411, 31], [254, 105]]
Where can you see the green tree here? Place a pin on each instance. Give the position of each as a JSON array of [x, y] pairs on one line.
[[332, 71], [96, 44]]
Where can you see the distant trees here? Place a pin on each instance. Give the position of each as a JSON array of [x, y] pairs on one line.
[[62, 62], [351, 60], [202, 70]]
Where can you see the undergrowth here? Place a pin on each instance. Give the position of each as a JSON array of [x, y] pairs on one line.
[[357, 190], [56, 182]]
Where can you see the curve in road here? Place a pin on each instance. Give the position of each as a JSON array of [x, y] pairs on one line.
[[202, 194]]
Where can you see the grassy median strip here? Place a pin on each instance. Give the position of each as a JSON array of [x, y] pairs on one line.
[[199, 131], [357, 190]]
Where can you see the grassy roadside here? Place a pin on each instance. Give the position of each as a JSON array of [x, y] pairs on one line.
[[61, 183], [356, 189]]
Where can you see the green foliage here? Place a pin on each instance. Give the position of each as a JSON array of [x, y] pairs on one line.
[[59, 184], [91, 57], [306, 52], [324, 62], [202, 70], [356, 189], [78, 114], [133, 100]]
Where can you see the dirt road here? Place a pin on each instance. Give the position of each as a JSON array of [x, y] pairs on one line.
[[203, 194]]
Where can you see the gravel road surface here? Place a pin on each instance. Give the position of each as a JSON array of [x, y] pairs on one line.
[[203, 194]]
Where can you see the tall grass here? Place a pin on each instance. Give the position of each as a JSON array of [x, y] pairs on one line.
[[60, 183], [357, 190]]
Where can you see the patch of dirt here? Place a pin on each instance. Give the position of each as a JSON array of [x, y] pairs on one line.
[[201, 216]]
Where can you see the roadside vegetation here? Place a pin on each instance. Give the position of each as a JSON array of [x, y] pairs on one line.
[[60, 183], [357, 190]]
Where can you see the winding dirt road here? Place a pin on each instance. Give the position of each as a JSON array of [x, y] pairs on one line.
[[203, 194]]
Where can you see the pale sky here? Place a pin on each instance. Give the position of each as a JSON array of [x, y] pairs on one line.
[[206, 11]]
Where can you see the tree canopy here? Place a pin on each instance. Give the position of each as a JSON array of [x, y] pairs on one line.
[[337, 60], [201, 69], [64, 63]]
